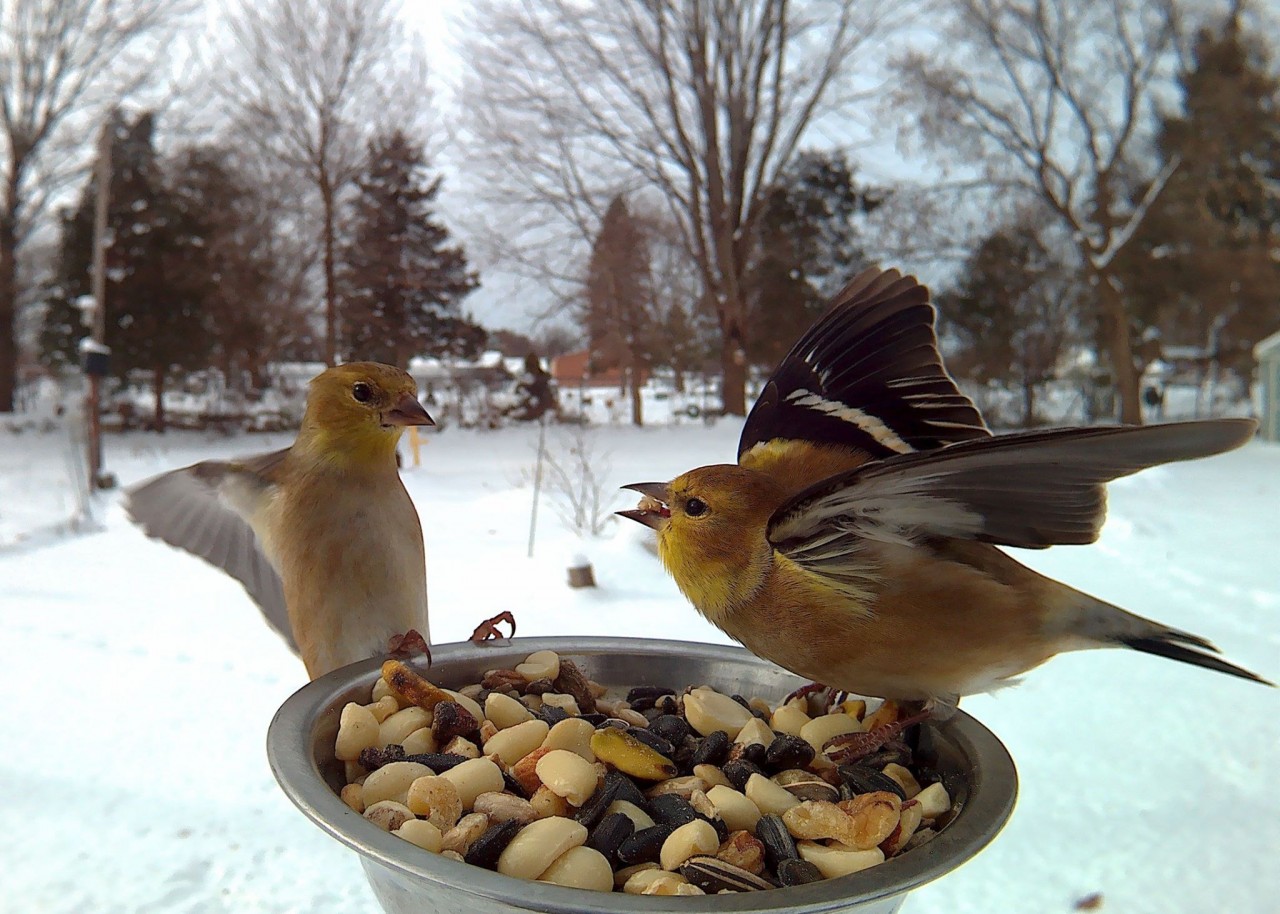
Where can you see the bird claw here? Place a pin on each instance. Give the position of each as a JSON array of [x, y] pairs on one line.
[[489, 628], [850, 747], [410, 644], [834, 696]]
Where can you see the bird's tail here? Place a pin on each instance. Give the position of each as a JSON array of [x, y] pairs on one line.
[[1099, 622]]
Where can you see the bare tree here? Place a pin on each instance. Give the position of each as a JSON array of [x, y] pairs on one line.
[[699, 102], [1058, 95], [62, 64], [308, 82]]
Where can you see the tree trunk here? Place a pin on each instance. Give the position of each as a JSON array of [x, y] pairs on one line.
[[1028, 403], [733, 365], [330, 273], [157, 385], [637, 407], [8, 313], [1120, 346]]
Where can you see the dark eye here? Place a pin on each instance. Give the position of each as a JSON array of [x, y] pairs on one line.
[[361, 391], [695, 507]]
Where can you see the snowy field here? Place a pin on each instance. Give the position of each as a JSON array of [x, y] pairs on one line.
[[139, 684]]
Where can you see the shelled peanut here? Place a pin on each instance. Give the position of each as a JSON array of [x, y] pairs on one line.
[[536, 772]]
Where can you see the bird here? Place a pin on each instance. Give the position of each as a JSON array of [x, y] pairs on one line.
[[322, 534], [856, 540]]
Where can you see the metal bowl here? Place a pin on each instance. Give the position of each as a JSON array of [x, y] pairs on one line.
[[975, 768]]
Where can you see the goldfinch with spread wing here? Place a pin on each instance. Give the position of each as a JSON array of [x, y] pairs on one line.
[[855, 541], [322, 534]]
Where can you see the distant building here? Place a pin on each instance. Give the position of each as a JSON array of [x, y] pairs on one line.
[[1267, 352], [574, 369]]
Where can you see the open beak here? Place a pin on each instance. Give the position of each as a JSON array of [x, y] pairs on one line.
[[652, 510], [407, 411]]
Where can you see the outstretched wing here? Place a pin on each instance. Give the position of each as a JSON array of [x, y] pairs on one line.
[[1032, 489], [867, 375], [201, 509]]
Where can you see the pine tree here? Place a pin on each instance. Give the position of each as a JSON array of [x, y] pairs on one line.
[[807, 247], [402, 283], [1202, 259], [1012, 312], [157, 280], [619, 301]]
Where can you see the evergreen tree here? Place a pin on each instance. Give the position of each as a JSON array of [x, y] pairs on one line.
[[1203, 257], [402, 283], [1012, 312], [807, 247], [238, 276], [157, 280], [620, 325]]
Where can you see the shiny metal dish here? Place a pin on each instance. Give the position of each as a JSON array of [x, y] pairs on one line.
[[976, 770]]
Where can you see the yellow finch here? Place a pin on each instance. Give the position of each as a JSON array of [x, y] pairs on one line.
[[855, 541], [322, 534]]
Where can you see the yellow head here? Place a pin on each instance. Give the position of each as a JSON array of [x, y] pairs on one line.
[[356, 413], [711, 532]]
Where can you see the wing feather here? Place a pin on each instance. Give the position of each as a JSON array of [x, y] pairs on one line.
[[200, 509], [867, 375], [1033, 490]]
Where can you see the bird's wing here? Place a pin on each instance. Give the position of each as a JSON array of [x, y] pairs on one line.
[[1032, 489], [203, 509], [867, 375]]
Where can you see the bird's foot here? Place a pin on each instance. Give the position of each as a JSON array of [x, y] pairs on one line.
[[832, 696], [850, 747], [410, 644], [489, 627]]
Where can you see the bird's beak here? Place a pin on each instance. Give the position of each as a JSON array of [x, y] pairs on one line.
[[407, 411], [652, 510]]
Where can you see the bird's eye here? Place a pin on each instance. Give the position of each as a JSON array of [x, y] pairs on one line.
[[361, 391], [695, 507]]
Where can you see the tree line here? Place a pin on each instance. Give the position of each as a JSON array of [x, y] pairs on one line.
[[680, 178]]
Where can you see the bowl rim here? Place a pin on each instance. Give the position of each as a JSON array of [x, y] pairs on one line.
[[992, 795]]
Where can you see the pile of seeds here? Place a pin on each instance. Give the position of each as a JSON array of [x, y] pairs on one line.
[[536, 773]]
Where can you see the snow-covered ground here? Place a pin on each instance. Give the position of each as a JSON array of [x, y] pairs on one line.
[[138, 685]]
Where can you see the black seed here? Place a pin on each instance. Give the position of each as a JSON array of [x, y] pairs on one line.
[[671, 728], [755, 753], [539, 687], [672, 809], [644, 846], [552, 715], [712, 750], [653, 692], [626, 789], [668, 704], [739, 771], [794, 871], [373, 758], [777, 841], [867, 780], [595, 719], [452, 719], [643, 704], [787, 751], [437, 761], [593, 810], [891, 754], [714, 876], [653, 741], [513, 785], [486, 849], [742, 701], [607, 837]]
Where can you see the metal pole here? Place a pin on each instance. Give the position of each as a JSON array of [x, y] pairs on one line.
[[99, 288], [537, 479]]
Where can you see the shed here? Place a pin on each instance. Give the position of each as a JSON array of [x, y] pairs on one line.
[[1267, 352]]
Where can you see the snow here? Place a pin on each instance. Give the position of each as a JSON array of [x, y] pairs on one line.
[[140, 683]]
